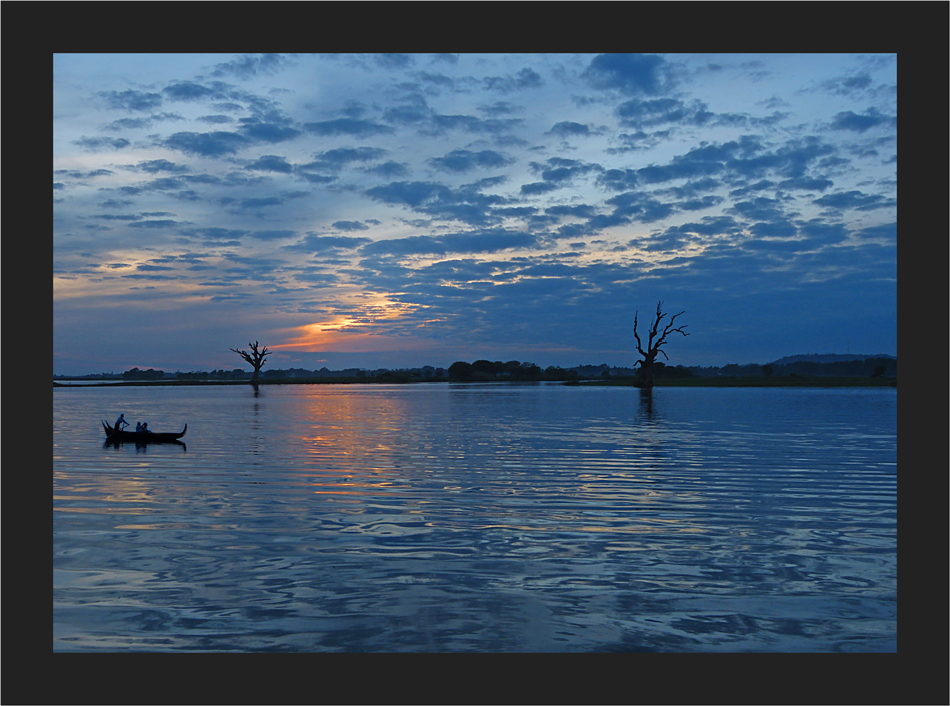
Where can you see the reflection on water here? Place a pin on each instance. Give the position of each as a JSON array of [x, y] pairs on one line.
[[477, 518]]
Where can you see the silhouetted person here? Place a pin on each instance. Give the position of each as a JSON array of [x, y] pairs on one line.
[[120, 423], [138, 427]]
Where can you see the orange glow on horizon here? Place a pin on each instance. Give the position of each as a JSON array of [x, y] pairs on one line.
[[323, 336], [351, 333]]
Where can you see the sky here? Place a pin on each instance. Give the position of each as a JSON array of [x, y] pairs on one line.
[[401, 210]]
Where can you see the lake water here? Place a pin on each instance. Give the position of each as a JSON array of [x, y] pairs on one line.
[[477, 518]]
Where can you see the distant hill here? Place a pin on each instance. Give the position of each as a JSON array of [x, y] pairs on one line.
[[828, 358]]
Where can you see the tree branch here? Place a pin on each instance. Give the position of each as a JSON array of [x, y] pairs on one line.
[[637, 336]]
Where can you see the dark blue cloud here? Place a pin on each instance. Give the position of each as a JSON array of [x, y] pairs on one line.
[[272, 234], [260, 202], [270, 131], [477, 241], [389, 170], [857, 200], [207, 144], [339, 158], [132, 100], [806, 184], [350, 225], [348, 126], [466, 160], [271, 163], [635, 205], [524, 79], [393, 61], [567, 128], [249, 66], [408, 193], [760, 208], [855, 122], [102, 143], [557, 172], [216, 233], [215, 119], [188, 91], [154, 166], [156, 223], [659, 111], [317, 244], [849, 85], [774, 229], [631, 74], [470, 123]]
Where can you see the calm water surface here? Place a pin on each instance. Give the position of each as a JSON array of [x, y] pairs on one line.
[[485, 518]]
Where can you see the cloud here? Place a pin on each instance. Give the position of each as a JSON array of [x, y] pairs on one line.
[[132, 100], [631, 74], [524, 79], [96, 144], [348, 126], [871, 118], [157, 223], [249, 66], [855, 200], [567, 128], [188, 91], [272, 234], [478, 241], [270, 131], [207, 144], [557, 172], [389, 170], [317, 244], [849, 85], [350, 225], [345, 156], [271, 163], [407, 193], [155, 166], [660, 111], [466, 160]]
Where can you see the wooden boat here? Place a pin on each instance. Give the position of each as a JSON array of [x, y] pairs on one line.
[[142, 437]]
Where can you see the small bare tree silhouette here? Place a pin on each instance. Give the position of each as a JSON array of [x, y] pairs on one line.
[[255, 358]]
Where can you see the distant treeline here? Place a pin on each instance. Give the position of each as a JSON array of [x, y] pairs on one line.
[[514, 370], [869, 367]]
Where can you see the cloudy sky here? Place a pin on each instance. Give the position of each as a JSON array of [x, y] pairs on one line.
[[407, 210]]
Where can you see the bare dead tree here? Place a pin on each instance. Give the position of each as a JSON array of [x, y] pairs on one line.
[[656, 340], [255, 358]]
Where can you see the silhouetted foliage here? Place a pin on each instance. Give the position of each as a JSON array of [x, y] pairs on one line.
[[767, 370], [486, 370], [460, 370], [136, 374]]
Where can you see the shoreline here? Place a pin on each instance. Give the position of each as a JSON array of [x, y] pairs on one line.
[[739, 381]]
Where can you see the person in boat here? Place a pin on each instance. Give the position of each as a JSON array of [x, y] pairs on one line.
[[145, 428], [138, 427], [120, 423]]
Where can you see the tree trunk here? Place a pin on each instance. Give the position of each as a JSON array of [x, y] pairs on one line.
[[645, 378]]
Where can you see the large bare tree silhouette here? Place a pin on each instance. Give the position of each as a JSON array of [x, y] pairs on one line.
[[656, 340]]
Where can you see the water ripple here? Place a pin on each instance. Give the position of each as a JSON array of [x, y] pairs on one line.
[[468, 518]]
